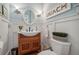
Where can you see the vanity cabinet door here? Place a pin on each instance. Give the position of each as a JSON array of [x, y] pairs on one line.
[[36, 43], [25, 46]]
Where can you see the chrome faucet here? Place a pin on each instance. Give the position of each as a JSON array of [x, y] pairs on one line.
[[29, 29]]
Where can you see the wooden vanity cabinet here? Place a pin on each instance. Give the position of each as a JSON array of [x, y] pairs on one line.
[[28, 44]]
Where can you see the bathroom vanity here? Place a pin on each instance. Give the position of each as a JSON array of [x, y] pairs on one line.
[[28, 44], [30, 39]]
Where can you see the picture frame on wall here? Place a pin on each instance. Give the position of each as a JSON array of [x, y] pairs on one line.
[[58, 10], [5, 12]]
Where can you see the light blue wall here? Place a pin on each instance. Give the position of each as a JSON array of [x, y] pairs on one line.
[[17, 17], [13, 16]]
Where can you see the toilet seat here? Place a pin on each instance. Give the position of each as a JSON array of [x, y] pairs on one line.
[[47, 52]]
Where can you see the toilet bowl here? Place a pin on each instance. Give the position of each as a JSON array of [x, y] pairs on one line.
[[58, 47]]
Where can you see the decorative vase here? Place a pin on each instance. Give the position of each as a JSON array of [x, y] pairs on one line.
[[20, 28]]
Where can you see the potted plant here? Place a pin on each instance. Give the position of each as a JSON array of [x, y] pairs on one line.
[[20, 28], [60, 36]]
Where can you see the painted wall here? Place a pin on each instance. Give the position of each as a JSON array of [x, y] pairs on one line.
[[4, 35], [4, 30], [67, 22]]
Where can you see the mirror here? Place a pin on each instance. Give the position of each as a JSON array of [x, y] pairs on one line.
[[29, 16], [31, 19]]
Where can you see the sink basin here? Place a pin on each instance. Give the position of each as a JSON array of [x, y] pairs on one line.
[[29, 33]]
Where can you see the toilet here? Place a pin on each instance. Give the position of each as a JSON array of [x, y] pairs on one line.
[[58, 48]]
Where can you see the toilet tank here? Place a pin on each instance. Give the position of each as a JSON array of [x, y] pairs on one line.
[[59, 47]]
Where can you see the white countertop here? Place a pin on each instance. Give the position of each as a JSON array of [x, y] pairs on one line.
[[29, 33]]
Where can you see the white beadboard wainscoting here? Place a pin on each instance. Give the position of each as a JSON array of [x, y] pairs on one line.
[[4, 35], [69, 25]]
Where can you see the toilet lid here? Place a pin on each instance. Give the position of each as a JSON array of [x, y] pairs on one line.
[[47, 52]]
